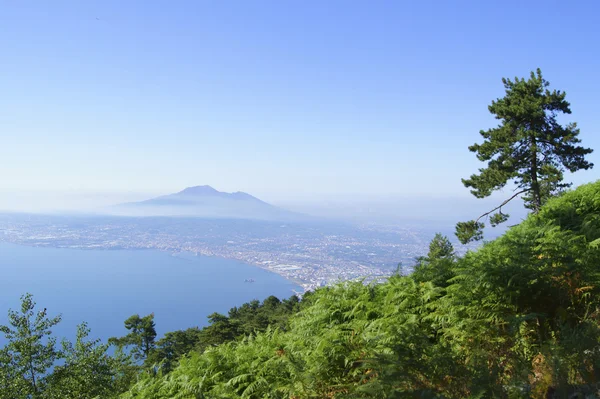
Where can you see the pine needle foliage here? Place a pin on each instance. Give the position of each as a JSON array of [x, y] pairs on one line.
[[529, 147]]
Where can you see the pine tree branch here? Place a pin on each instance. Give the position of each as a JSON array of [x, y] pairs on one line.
[[502, 204]]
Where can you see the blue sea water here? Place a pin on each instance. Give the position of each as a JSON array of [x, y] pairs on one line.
[[104, 287]]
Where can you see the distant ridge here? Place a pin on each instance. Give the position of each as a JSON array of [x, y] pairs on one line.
[[197, 195], [205, 201], [209, 191]]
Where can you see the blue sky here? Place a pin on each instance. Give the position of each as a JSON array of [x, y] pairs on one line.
[[287, 100]]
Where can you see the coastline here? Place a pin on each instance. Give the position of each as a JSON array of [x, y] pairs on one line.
[[257, 265], [323, 259]]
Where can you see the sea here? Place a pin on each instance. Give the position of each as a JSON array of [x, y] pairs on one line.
[[105, 287]]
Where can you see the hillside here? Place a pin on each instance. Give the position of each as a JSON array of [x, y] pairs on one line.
[[517, 318]]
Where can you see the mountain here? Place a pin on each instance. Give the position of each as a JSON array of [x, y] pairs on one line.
[[205, 201]]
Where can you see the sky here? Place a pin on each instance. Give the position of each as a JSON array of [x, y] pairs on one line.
[[295, 102]]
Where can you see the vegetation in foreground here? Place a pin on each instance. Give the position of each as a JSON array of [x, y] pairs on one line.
[[517, 318], [33, 365]]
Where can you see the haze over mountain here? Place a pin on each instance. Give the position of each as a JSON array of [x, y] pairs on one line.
[[205, 201]]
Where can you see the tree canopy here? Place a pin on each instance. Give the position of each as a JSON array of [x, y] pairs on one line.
[[33, 366], [529, 147], [437, 266], [140, 338], [30, 352]]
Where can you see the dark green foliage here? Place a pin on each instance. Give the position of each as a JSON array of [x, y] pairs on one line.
[[30, 352], [527, 304], [517, 318], [498, 218], [471, 230], [253, 316], [438, 265], [88, 371], [141, 337], [440, 248], [31, 366], [172, 347], [250, 318], [529, 147]]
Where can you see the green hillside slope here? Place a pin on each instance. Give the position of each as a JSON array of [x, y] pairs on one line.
[[517, 318]]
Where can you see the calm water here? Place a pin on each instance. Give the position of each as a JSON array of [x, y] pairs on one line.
[[105, 287]]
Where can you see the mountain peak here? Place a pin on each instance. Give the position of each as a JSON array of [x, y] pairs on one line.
[[199, 190], [205, 201]]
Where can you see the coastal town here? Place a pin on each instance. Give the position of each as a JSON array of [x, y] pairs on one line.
[[311, 255]]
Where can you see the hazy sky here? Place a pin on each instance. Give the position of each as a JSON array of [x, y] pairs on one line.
[[287, 100]]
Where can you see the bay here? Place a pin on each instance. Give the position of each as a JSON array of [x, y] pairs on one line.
[[104, 287]]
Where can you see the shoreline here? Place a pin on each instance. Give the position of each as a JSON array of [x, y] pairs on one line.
[[308, 266], [291, 280]]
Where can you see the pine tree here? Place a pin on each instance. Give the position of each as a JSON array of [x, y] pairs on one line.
[[438, 264], [30, 352], [88, 370], [440, 248], [529, 147], [141, 337]]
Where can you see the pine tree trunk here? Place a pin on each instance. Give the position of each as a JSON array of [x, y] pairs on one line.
[[34, 384], [535, 185]]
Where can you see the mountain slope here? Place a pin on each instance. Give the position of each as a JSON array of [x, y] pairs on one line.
[[205, 201]]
